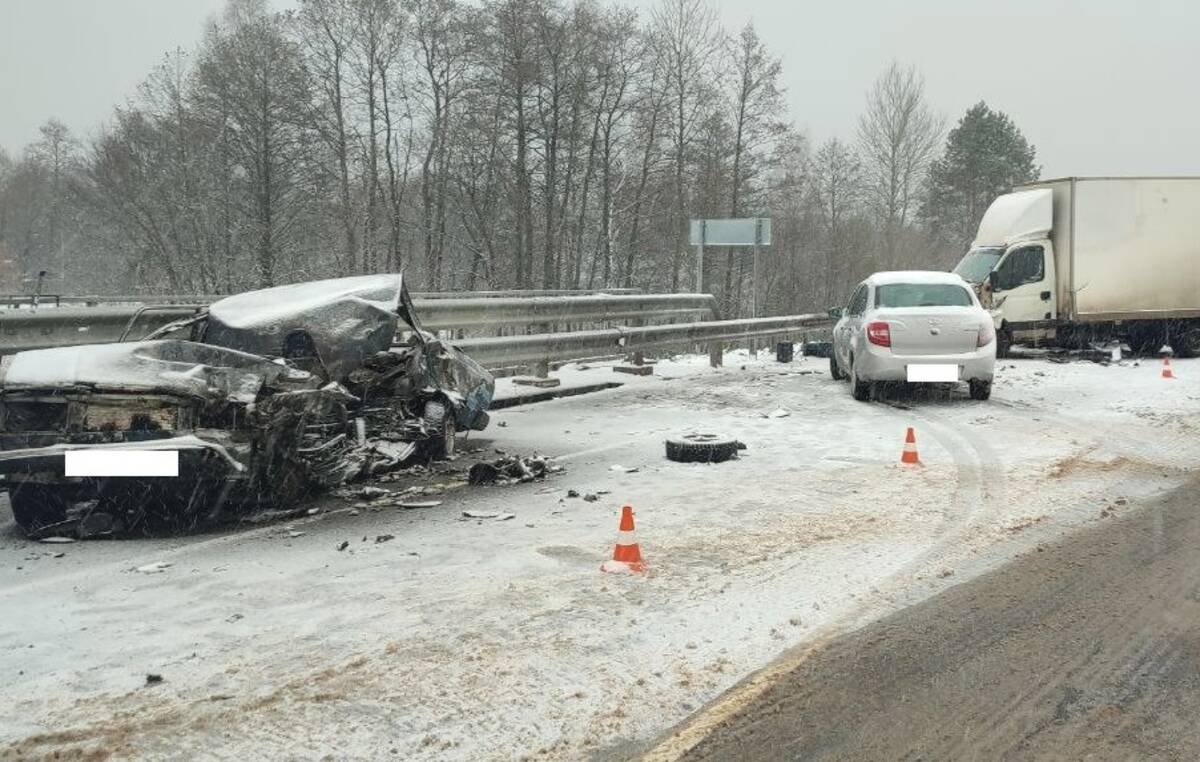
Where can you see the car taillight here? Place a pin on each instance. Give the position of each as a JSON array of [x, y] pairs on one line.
[[879, 334], [987, 334]]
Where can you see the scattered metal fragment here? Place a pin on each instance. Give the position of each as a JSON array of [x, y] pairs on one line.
[[496, 515], [154, 568], [411, 504], [511, 470]]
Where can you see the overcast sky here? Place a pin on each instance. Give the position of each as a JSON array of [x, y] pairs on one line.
[[1100, 87]]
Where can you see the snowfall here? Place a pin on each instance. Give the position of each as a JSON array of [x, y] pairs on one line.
[[368, 629]]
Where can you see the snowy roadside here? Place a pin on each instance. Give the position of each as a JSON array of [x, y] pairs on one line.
[[469, 639]]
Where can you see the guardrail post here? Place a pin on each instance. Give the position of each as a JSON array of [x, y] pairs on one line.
[[716, 354]]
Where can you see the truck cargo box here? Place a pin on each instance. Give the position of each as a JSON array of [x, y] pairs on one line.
[[1126, 248]]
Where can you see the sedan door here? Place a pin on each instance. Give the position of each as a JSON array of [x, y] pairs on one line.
[[850, 326]]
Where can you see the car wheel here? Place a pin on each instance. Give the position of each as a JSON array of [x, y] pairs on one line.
[[860, 389], [37, 507], [439, 421], [980, 389], [834, 369], [701, 448]]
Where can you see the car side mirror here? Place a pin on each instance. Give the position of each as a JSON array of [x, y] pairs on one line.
[[837, 312], [994, 281]]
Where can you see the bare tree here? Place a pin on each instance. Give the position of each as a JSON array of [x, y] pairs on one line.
[[898, 136], [838, 184], [326, 29], [758, 123], [689, 39]]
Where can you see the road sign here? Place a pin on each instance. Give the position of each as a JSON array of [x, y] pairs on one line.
[[748, 231]]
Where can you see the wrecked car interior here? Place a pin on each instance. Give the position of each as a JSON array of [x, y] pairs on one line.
[[266, 397]]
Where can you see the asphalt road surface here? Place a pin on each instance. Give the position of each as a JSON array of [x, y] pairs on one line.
[[1088, 648]]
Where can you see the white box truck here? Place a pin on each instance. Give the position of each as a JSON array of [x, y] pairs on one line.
[[1084, 259]]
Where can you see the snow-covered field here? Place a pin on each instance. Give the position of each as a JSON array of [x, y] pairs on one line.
[[501, 639]]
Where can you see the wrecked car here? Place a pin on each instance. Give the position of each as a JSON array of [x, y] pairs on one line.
[[265, 396]]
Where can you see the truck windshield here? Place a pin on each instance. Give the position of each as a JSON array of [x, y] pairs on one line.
[[976, 265], [922, 295]]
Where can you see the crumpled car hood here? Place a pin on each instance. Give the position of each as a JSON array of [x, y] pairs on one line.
[[183, 368], [348, 319]]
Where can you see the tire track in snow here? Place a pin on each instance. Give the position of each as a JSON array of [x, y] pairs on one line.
[[969, 495]]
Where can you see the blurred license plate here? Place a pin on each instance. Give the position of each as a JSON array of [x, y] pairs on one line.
[[932, 373], [121, 463]]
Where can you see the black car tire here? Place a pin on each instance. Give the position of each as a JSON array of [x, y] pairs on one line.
[[701, 448], [834, 369], [36, 507], [439, 419], [860, 389], [980, 389]]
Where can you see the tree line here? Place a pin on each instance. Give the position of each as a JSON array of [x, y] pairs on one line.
[[501, 144]]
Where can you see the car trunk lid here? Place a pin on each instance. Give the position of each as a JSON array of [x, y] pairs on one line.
[[920, 331]]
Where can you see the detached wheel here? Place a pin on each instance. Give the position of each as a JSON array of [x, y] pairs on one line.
[[701, 448], [980, 389], [439, 421]]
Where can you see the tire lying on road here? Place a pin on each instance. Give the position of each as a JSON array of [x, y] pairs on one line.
[[702, 448]]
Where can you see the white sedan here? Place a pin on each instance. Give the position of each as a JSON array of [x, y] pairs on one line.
[[913, 326]]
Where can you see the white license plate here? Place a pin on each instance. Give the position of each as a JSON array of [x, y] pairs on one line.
[[936, 374], [121, 463]]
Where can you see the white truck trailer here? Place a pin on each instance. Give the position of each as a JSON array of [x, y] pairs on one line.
[[1084, 259]]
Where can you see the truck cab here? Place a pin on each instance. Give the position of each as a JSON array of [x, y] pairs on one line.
[[1011, 266]]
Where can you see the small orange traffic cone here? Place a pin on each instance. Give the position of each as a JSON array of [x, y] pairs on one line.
[[910, 448], [627, 556], [1166, 371]]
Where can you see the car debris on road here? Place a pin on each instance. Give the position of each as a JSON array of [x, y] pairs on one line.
[[272, 395], [512, 470]]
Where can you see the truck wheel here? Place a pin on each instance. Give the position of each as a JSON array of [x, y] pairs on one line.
[[701, 448], [980, 389], [1003, 342], [860, 389], [834, 370], [1187, 342], [439, 421]]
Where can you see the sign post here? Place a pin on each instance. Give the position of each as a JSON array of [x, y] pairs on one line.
[[747, 231]]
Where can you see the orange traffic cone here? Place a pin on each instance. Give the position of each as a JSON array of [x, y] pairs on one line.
[[1166, 371], [627, 556], [910, 448]]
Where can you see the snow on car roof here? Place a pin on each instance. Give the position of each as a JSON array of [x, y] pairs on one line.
[[262, 307], [915, 276]]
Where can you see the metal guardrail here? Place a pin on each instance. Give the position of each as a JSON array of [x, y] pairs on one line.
[[93, 300], [553, 347], [444, 314], [62, 326], [22, 330]]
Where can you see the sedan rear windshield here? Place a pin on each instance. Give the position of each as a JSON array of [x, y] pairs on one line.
[[922, 295]]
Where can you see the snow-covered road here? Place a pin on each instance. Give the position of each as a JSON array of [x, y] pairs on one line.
[[489, 639]]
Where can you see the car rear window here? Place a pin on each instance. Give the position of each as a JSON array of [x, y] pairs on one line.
[[922, 295]]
